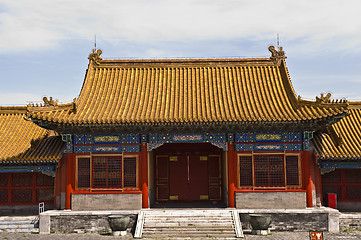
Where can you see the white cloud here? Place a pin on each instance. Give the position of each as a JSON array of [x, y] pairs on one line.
[[41, 23]]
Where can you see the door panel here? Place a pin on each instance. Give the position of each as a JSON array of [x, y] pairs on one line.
[[162, 180], [198, 174], [215, 179], [188, 177], [178, 180]]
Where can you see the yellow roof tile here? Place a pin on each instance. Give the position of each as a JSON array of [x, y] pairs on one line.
[[22, 140], [343, 140], [186, 91]]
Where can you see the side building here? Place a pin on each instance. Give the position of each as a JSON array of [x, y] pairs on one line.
[[146, 133], [338, 151], [29, 156]]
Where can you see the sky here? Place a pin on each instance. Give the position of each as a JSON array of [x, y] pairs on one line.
[[44, 45]]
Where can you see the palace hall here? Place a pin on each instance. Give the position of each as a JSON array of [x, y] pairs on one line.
[[225, 132]]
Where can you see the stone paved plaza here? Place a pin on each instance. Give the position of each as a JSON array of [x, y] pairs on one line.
[[87, 236]]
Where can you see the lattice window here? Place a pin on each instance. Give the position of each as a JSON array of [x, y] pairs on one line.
[[22, 179], [3, 196], [44, 180], [269, 170], [84, 172], [107, 172], [353, 192], [21, 195], [4, 179], [332, 177], [100, 172], [245, 170], [353, 176], [115, 172], [130, 172], [44, 194], [292, 171]]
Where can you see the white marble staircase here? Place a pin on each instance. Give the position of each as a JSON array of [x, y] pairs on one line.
[[188, 224], [23, 224]]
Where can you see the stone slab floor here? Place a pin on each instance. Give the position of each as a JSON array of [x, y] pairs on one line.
[[87, 236]]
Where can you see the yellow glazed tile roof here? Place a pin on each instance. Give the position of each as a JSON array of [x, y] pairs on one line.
[[185, 91], [22, 140], [343, 140]]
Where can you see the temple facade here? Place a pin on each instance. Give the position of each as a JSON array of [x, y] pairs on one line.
[[197, 132]]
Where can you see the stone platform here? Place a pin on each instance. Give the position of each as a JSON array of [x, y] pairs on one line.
[[317, 219]]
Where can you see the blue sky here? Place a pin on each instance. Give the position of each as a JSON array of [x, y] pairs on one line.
[[44, 45]]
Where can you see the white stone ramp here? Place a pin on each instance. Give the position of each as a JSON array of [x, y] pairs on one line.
[[188, 224]]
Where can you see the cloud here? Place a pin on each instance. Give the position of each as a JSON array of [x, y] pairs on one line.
[[42, 24]]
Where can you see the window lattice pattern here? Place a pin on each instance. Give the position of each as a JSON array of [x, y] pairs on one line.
[[292, 171], [3, 196], [353, 192], [44, 180], [84, 172], [353, 176], [245, 170], [3, 179], [21, 195], [269, 170], [115, 172], [22, 180], [130, 172], [332, 177], [107, 172], [44, 194]]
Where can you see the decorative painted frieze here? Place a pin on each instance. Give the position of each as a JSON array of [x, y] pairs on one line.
[[217, 139], [268, 147], [69, 143], [100, 139], [268, 137], [46, 169], [100, 149], [307, 136]]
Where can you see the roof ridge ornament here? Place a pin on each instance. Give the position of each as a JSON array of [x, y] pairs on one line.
[[50, 102], [95, 56], [324, 100], [277, 55]]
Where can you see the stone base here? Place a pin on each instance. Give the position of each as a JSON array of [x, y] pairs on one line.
[[119, 233], [57, 221], [270, 200], [261, 232], [310, 219], [94, 202]]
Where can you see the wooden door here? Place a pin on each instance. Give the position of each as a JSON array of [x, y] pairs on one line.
[[215, 177], [162, 179], [198, 178]]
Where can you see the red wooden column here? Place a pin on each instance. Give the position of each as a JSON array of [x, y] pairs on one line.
[[144, 175], [232, 170], [308, 183], [70, 166]]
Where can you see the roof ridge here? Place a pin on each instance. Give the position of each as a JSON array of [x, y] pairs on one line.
[[12, 109]]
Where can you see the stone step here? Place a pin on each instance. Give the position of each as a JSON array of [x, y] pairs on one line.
[[190, 228], [188, 214], [20, 230], [8, 226], [190, 232], [193, 235], [188, 238], [185, 224], [184, 220], [188, 224]]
